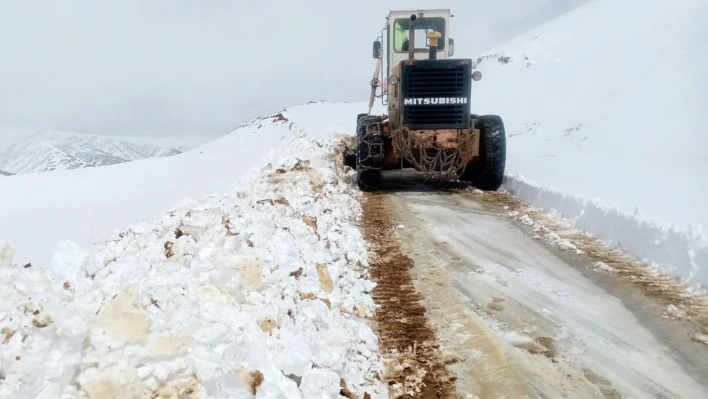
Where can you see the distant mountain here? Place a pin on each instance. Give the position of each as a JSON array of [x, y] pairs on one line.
[[42, 151], [5, 173]]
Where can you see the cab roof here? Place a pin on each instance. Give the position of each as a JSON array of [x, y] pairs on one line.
[[407, 13]]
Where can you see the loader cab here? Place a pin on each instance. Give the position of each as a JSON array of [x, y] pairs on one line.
[[397, 34]]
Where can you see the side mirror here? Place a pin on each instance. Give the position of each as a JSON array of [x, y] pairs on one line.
[[450, 47], [377, 49]]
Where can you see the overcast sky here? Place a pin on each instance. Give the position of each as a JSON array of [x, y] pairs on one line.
[[198, 67]]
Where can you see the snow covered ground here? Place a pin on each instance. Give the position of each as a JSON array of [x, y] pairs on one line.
[[85, 205], [260, 289], [585, 99], [605, 114]]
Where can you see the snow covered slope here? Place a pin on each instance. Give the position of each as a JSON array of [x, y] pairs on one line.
[[605, 114], [83, 205], [259, 290], [23, 151]]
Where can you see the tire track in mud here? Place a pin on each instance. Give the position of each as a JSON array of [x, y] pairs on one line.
[[415, 366]]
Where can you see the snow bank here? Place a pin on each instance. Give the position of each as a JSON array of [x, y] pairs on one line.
[[262, 290], [38, 210], [604, 109]]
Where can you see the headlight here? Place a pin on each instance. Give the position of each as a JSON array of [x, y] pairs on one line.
[[393, 80], [476, 75]]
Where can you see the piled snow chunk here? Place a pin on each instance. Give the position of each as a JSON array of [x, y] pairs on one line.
[[42, 331], [702, 338], [542, 231], [261, 291], [602, 266], [674, 311], [319, 383]]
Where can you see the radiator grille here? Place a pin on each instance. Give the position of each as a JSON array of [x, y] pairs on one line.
[[435, 80]]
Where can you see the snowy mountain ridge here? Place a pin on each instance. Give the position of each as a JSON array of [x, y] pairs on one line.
[[41, 151]]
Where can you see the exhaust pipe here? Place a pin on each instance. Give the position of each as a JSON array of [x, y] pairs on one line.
[[433, 37], [411, 38]]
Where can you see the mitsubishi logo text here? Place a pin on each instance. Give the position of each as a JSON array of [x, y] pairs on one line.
[[435, 101]]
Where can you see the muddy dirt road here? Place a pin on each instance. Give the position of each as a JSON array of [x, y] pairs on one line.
[[504, 315]]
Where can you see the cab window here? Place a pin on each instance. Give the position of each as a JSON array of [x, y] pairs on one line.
[[422, 27]]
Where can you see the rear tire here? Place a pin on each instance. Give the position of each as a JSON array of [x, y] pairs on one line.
[[369, 154], [487, 173]]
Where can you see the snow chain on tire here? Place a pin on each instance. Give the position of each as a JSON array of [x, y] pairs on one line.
[[431, 161], [370, 153]]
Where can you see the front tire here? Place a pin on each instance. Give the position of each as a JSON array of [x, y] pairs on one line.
[[358, 118], [369, 154], [487, 173], [350, 157]]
